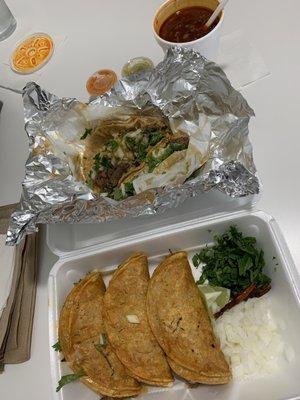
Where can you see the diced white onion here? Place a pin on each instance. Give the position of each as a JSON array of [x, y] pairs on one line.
[[134, 134], [133, 319], [158, 152], [250, 339], [119, 153], [102, 339], [122, 187]]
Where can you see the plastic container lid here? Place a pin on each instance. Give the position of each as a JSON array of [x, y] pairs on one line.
[[32, 53], [101, 82], [136, 65]]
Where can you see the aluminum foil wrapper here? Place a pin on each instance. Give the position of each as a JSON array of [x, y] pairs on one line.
[[186, 88]]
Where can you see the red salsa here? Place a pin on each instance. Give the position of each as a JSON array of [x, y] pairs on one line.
[[186, 25]]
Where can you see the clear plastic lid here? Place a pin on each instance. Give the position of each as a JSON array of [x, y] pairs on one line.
[[64, 239], [32, 53]]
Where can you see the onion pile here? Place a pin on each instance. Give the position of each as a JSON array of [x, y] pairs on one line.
[[251, 340]]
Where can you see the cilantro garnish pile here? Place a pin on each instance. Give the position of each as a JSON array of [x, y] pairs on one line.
[[234, 262]]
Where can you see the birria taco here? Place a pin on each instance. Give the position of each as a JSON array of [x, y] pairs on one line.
[[84, 342], [181, 325], [119, 150], [126, 323]]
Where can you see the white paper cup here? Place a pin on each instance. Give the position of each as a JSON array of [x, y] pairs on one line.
[[207, 45]]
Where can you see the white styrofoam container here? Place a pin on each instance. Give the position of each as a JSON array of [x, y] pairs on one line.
[[66, 238], [189, 235]]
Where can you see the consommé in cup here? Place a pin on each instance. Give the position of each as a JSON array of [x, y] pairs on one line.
[[207, 45]]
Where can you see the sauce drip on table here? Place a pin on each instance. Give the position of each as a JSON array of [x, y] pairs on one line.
[[187, 24]]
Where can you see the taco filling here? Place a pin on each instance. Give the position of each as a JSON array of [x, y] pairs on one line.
[[127, 153]]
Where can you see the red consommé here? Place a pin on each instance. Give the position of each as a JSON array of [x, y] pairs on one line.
[[186, 25]]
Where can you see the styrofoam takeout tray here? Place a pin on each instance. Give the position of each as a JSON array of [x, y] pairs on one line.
[[191, 236]]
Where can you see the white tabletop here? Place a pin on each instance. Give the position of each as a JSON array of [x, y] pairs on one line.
[[106, 33]]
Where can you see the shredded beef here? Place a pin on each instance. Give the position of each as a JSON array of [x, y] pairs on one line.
[[108, 180], [117, 173], [184, 140], [102, 180]]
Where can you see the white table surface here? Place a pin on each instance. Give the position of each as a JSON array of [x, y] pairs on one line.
[[105, 33]]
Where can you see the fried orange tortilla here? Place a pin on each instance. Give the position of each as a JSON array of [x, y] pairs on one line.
[[126, 323], [181, 325], [81, 329]]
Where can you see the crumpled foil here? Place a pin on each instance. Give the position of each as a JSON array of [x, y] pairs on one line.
[[183, 86]]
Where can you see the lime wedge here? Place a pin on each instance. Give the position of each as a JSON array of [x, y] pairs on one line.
[[216, 297], [224, 297]]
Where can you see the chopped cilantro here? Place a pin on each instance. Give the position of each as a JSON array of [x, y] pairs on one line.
[[129, 189], [103, 161], [117, 194], [64, 380], [178, 146], [87, 132], [97, 164], [153, 162], [168, 151], [113, 144], [196, 260], [106, 162], [89, 181], [57, 346], [130, 142], [233, 262], [155, 137], [141, 150], [103, 339], [138, 147], [101, 347], [76, 283]]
